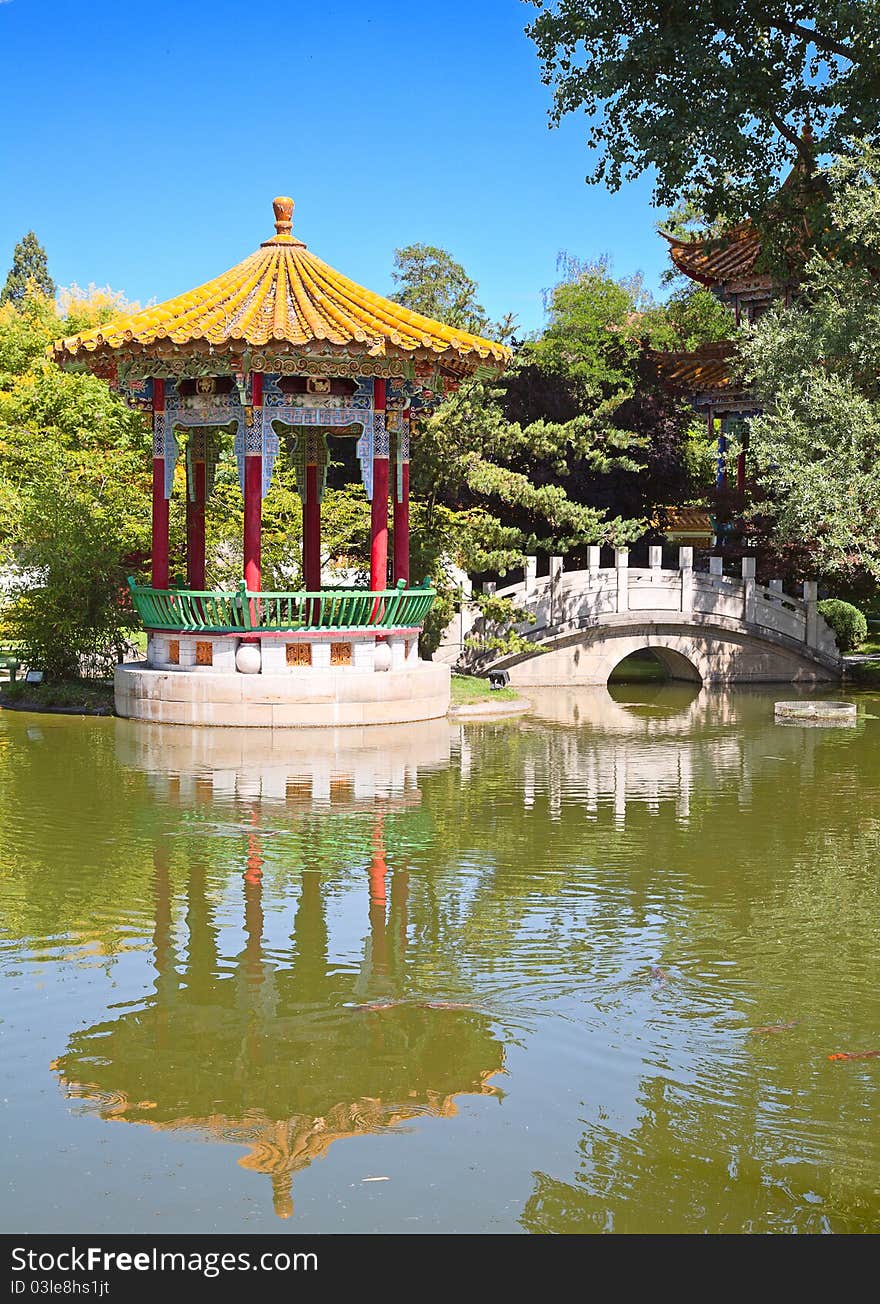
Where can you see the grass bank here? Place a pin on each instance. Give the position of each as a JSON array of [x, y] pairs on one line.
[[79, 696], [470, 688], [866, 674]]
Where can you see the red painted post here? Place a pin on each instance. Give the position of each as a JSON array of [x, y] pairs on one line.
[[378, 899], [254, 923], [378, 865], [195, 529], [379, 506], [312, 532], [253, 496], [160, 502]]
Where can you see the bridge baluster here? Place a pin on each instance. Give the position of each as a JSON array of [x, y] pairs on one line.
[[748, 575], [811, 599], [686, 566], [555, 580], [621, 565]]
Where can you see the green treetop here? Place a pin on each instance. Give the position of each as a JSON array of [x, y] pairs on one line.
[[29, 271], [815, 367], [719, 97], [575, 444], [431, 282]]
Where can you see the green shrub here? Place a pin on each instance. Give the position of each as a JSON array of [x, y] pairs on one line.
[[88, 695], [849, 624]]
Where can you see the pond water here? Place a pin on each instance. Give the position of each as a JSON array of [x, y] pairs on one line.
[[584, 971]]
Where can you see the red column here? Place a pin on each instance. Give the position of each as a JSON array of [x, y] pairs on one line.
[[379, 506], [253, 918], [378, 898], [378, 865], [195, 529], [312, 532], [401, 513], [253, 494], [160, 502]]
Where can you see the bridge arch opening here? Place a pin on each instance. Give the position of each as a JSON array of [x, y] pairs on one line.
[[654, 665]]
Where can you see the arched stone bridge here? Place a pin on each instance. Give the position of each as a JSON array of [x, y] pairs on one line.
[[704, 627]]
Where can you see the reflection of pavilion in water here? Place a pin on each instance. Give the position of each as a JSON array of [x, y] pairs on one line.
[[320, 767], [647, 748], [285, 1058]]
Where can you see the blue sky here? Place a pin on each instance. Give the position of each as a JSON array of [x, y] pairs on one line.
[[144, 140]]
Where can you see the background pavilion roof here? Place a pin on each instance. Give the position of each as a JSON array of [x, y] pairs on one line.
[[284, 300], [687, 521], [731, 256], [705, 368], [719, 260]]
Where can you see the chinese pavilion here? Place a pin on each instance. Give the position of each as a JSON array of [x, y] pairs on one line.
[[726, 265], [279, 355], [730, 265]]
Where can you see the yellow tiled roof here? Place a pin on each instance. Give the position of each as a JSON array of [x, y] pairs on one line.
[[283, 298], [687, 520]]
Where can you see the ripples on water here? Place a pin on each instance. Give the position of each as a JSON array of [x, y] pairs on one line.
[[578, 972]]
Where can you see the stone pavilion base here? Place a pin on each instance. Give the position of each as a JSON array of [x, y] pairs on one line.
[[309, 696]]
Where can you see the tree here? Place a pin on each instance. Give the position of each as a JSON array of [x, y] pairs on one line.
[[816, 366], [68, 610], [575, 444], [718, 97], [75, 507], [30, 270], [26, 330], [589, 366], [74, 494], [429, 281]]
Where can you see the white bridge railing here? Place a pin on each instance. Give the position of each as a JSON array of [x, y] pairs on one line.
[[563, 601]]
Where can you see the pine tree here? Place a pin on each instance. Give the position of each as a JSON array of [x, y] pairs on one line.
[[29, 265]]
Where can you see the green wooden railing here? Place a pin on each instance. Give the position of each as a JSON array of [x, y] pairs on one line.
[[242, 610]]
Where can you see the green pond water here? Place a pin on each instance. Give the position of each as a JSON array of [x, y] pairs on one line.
[[577, 972]]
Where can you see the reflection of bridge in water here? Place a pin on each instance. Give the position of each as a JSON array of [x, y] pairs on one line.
[[713, 628], [283, 1055], [649, 746]]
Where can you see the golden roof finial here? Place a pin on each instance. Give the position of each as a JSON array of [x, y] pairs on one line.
[[283, 207]]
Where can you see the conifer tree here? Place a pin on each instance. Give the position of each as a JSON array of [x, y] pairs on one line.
[[29, 267]]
